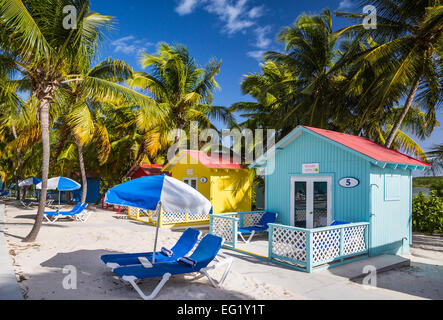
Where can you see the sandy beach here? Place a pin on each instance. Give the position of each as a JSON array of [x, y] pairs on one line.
[[39, 266]]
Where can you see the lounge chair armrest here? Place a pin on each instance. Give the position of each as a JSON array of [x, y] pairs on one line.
[[112, 265]]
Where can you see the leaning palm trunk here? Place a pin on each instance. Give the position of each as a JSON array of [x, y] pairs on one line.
[[44, 122], [406, 108], [82, 170]]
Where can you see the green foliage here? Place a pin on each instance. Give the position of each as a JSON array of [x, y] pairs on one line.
[[438, 187], [427, 213], [425, 182]]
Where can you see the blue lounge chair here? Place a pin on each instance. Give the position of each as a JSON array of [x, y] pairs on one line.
[[204, 254], [77, 213], [337, 223], [28, 203], [267, 218], [185, 244], [4, 194]]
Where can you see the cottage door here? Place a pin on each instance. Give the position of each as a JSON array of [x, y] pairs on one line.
[[311, 199]]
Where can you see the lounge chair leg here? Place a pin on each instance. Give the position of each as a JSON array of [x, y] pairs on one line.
[[131, 280], [204, 271], [250, 237], [51, 221], [85, 216], [241, 236]]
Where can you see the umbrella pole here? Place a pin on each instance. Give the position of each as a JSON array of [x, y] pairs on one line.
[[159, 212]]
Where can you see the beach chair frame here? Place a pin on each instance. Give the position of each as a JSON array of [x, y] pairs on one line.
[[203, 272]]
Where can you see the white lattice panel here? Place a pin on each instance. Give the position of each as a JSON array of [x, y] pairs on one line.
[[168, 217], [325, 245], [250, 219], [132, 211], [198, 216], [354, 240], [222, 228], [289, 243]]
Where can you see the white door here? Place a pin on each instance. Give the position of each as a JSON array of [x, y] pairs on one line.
[[311, 202], [191, 181]]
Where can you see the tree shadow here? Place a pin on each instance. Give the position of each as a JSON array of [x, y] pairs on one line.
[[420, 279]]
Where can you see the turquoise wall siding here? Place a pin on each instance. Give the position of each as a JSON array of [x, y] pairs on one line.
[[382, 198], [348, 204], [391, 210]]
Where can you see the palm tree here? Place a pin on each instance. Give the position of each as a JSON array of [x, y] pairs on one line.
[[35, 43], [11, 117], [181, 88], [435, 157], [274, 100], [311, 57], [321, 82], [82, 110], [408, 54]]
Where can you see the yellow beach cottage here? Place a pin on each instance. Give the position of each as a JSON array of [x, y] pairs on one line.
[[222, 181]]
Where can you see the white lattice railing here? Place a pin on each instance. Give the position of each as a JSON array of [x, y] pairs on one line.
[[248, 219], [225, 225], [287, 243], [310, 248], [167, 218]]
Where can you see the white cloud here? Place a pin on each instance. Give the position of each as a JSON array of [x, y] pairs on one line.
[[263, 41], [256, 12], [233, 13], [129, 45], [256, 54], [345, 4], [237, 15], [186, 7]]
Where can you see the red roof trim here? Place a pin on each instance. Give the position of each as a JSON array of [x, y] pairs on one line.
[[368, 147]]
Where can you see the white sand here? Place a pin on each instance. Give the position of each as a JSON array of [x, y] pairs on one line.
[[39, 266]]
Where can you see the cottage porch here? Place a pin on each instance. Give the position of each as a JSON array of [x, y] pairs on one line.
[[306, 250]]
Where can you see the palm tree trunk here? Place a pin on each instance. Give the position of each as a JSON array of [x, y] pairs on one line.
[[406, 108], [18, 170], [44, 122], [82, 170]]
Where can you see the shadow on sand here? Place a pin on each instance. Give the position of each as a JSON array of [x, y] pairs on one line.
[[96, 281]]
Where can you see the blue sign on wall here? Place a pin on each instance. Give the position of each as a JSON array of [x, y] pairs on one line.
[[349, 182]]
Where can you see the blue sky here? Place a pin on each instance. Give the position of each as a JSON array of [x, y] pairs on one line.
[[234, 31]]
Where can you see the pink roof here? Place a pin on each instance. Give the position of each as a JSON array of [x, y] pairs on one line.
[[368, 148], [149, 170], [212, 161]]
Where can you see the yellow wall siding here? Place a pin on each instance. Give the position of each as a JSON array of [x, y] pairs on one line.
[[229, 190]]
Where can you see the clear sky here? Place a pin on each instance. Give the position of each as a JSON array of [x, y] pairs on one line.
[[234, 31]]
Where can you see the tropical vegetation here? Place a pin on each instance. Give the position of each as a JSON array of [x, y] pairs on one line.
[[427, 213], [65, 112]]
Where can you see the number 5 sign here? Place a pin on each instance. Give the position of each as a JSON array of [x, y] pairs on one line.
[[349, 182]]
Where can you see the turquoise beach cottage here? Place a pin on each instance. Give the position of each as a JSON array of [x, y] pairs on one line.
[[338, 197]]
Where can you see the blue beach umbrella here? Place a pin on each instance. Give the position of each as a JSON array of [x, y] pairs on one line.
[[157, 193], [60, 184]]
